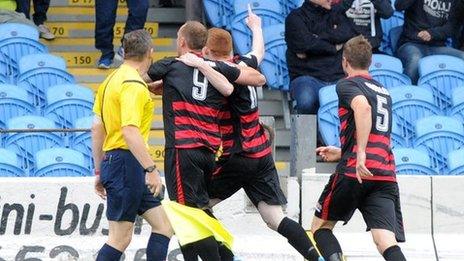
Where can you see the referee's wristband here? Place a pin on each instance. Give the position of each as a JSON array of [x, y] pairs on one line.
[[97, 172]]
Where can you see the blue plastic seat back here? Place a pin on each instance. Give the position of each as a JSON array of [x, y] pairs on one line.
[[82, 141], [394, 37], [9, 164], [67, 103], [37, 81], [390, 79], [396, 20], [327, 116], [386, 62], [219, 12], [268, 10], [3, 78], [60, 162], [274, 64], [412, 162], [14, 30], [12, 50], [442, 84], [439, 135], [26, 144], [288, 5], [456, 162], [457, 109], [41, 60], [4, 71], [13, 103], [436, 63], [411, 103], [397, 139]]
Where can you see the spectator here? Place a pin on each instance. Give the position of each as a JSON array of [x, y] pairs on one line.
[[458, 18], [315, 34], [39, 17], [105, 14], [425, 30], [366, 15]]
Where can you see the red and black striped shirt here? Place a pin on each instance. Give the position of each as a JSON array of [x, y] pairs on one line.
[[192, 108], [379, 157], [249, 137]]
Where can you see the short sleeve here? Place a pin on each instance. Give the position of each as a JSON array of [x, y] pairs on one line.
[[159, 69], [97, 103], [230, 72], [346, 91], [133, 98], [250, 60]]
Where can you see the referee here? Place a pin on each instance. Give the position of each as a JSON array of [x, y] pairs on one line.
[[125, 173]]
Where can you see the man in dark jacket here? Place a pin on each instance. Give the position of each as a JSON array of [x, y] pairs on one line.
[[427, 25], [366, 15], [315, 34]]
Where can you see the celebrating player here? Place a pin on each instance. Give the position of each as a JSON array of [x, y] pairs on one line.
[[365, 176], [123, 166], [247, 157], [191, 108]]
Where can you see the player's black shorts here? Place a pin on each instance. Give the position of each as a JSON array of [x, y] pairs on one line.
[[378, 202], [124, 180], [257, 176], [187, 172]]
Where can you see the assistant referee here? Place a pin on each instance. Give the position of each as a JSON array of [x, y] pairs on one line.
[[125, 173]]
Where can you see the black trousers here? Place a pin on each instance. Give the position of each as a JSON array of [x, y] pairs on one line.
[[40, 9]]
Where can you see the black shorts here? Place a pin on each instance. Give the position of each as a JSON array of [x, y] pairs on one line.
[[257, 176], [124, 180], [187, 172], [378, 202]]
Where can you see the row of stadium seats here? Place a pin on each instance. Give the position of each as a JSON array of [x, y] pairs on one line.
[[416, 162], [64, 104], [32, 137], [54, 162]]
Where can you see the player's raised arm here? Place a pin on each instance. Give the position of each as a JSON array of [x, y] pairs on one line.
[[254, 23], [219, 81]]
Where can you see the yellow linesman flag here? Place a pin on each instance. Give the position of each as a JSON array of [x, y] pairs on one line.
[[193, 224]]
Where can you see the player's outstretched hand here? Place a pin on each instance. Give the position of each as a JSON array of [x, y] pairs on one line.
[[153, 182], [99, 189], [329, 153], [253, 21], [191, 60], [156, 87], [361, 169]]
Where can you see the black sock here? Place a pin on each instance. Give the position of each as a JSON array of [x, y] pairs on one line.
[[108, 253], [206, 248], [225, 253], [328, 245], [393, 253], [298, 238]]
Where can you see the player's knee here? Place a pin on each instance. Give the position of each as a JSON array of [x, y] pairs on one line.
[[384, 242], [120, 241]]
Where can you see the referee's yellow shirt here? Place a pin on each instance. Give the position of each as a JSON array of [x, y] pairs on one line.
[[124, 100]]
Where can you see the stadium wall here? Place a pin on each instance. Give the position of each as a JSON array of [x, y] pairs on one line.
[[63, 219]]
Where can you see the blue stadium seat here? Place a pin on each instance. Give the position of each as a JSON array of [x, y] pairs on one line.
[[9, 164], [390, 79], [327, 116], [411, 103], [16, 41], [268, 10], [441, 73], [13, 103], [41, 60], [68, 102], [386, 62], [82, 141], [412, 162], [457, 110], [36, 78], [456, 162], [26, 144], [274, 64], [288, 5], [219, 12], [396, 20], [397, 139], [60, 162], [394, 37], [439, 135]]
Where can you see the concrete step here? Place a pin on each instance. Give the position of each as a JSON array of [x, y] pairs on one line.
[[87, 14], [80, 3], [85, 28], [90, 59], [77, 44]]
